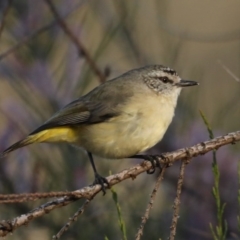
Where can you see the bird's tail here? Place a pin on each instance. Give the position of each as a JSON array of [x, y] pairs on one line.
[[24, 142], [49, 135]]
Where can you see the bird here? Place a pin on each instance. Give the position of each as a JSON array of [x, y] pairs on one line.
[[120, 118]]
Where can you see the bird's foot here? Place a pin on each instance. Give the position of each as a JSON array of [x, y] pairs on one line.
[[101, 180], [154, 161], [155, 164]]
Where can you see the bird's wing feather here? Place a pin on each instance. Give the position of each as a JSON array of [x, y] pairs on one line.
[[79, 112]]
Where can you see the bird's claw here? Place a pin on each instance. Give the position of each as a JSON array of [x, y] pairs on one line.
[[155, 164], [101, 180], [154, 161]]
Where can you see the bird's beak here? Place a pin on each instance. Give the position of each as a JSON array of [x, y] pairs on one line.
[[186, 83]]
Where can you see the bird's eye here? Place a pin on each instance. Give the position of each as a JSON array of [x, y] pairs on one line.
[[164, 79]]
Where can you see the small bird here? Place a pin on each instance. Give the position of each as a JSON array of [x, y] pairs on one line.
[[118, 119]]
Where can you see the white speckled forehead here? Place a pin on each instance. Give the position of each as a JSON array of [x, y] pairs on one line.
[[170, 71], [160, 72]]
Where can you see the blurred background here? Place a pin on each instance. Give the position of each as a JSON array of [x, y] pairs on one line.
[[200, 39]]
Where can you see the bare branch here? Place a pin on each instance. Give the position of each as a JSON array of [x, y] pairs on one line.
[[150, 203], [79, 212], [176, 204], [88, 192], [81, 49], [26, 197]]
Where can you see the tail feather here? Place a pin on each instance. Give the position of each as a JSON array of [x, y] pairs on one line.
[[65, 134], [38, 137], [26, 141]]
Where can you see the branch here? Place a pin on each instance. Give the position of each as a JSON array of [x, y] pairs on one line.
[[79, 212], [27, 197], [8, 226], [150, 203], [74, 39], [176, 204]]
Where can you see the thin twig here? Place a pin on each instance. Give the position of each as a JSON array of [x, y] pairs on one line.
[[34, 34], [4, 16], [25, 40], [229, 71], [177, 201], [79, 212], [150, 203], [81, 48], [8, 226]]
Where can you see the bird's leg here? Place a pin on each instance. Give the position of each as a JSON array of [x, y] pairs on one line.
[[98, 178], [153, 159]]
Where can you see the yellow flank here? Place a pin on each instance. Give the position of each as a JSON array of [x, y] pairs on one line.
[[59, 134]]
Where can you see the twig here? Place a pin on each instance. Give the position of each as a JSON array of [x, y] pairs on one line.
[[4, 16], [229, 71], [150, 204], [88, 192], [30, 37], [26, 197], [25, 40], [79, 212], [81, 49], [176, 204]]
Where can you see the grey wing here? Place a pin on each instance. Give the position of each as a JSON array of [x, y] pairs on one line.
[[79, 112]]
